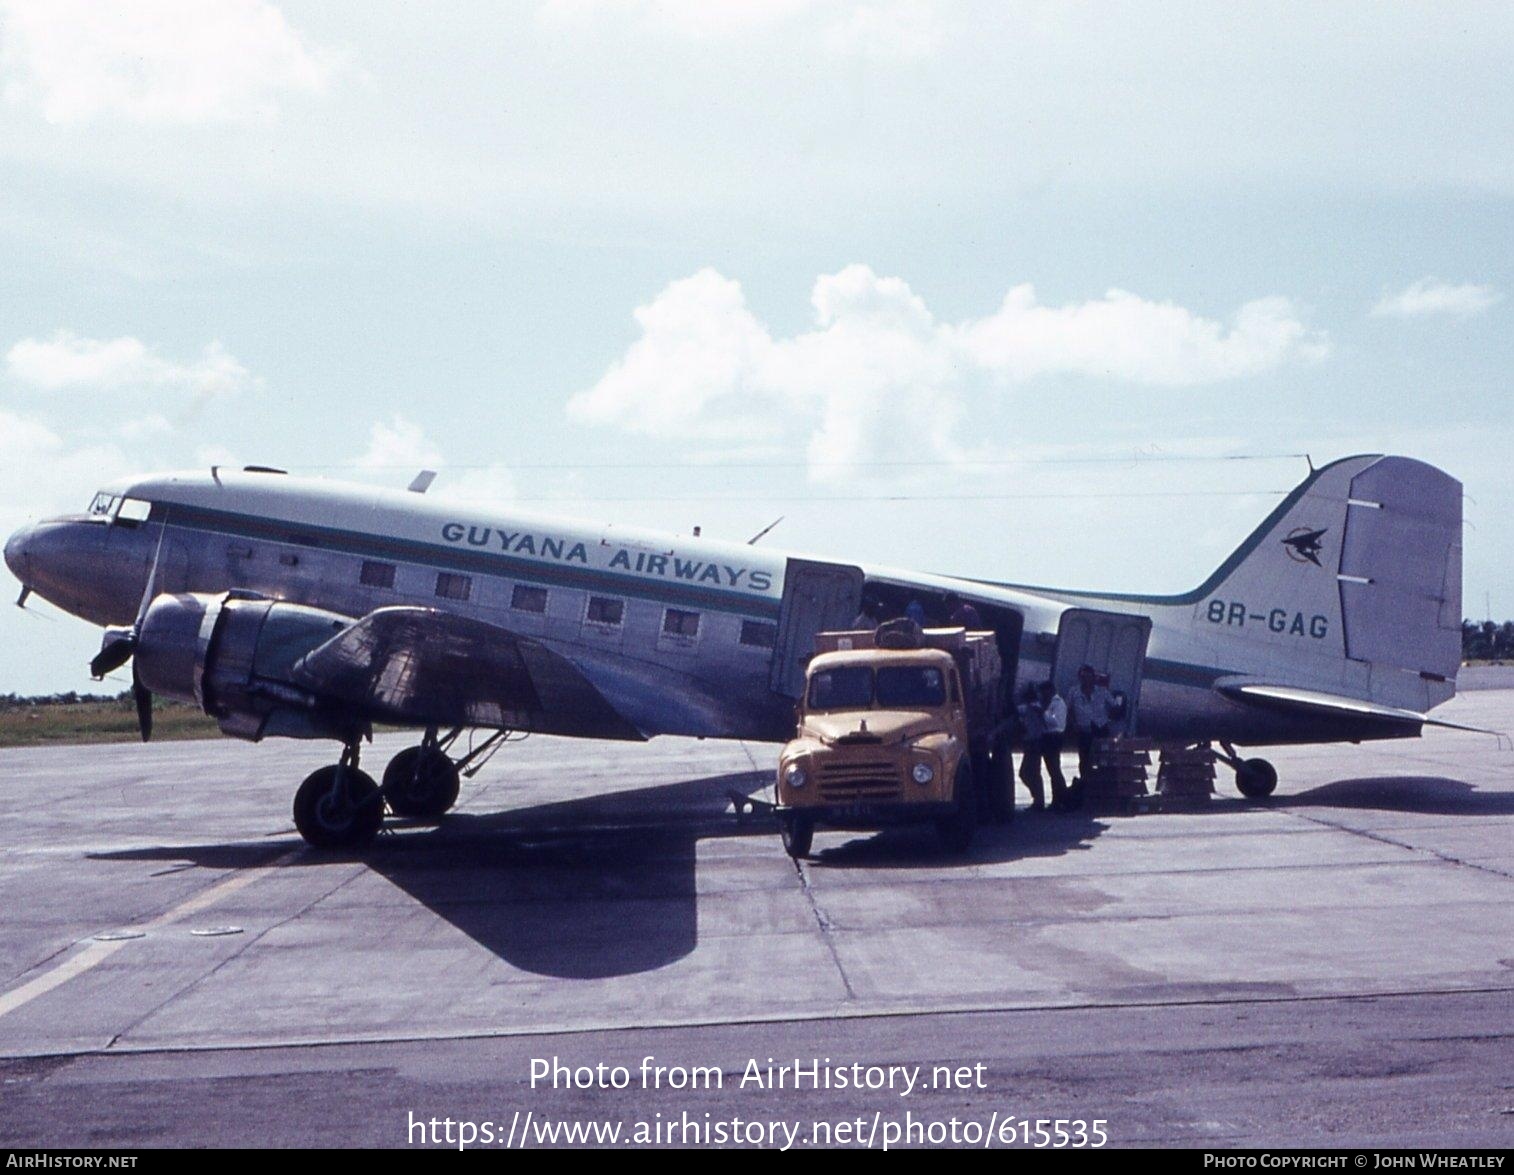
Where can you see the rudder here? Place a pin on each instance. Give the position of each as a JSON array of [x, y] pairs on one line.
[[1353, 581]]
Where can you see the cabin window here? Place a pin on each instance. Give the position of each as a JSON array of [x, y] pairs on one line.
[[381, 575], [676, 622], [528, 599], [606, 611], [450, 586], [759, 634]]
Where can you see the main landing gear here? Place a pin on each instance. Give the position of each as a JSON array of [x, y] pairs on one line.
[[341, 806], [422, 781], [1256, 779]]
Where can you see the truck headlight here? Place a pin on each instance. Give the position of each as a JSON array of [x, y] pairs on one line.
[[794, 776], [923, 773]]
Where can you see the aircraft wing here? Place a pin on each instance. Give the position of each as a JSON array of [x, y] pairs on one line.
[[415, 666], [1319, 704]]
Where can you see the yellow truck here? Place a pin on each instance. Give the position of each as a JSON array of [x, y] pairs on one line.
[[898, 725]]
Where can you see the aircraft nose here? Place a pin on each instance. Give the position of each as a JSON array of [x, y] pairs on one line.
[[16, 555]]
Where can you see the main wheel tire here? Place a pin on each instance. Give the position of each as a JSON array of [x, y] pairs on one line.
[[421, 781], [957, 830], [798, 834], [350, 819], [1256, 779]]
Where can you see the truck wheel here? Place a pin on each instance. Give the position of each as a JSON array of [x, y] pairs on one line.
[[798, 833], [982, 769], [956, 831], [1002, 783]]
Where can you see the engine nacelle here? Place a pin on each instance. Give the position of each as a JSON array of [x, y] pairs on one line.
[[232, 656]]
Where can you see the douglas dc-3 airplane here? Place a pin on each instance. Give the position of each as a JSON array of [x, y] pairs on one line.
[[314, 609]]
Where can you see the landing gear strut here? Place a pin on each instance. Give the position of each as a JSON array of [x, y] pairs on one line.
[[422, 781], [1256, 779], [339, 807]]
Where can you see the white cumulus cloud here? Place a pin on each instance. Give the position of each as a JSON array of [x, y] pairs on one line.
[[879, 364], [1429, 296], [176, 61], [67, 362]]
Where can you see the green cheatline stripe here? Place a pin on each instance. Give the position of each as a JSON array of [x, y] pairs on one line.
[[351, 542]]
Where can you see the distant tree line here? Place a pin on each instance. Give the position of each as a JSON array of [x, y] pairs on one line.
[[1486, 640], [71, 698]]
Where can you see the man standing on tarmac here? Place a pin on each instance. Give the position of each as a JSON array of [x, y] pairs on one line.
[[1053, 712], [1092, 709]]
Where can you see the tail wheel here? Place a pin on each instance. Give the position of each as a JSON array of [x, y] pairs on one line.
[[421, 781], [1256, 779], [338, 808], [798, 833], [957, 830]]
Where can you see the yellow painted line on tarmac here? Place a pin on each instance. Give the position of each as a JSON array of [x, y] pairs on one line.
[[94, 953]]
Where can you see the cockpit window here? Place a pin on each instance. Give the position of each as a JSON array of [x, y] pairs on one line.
[[115, 508], [133, 510]]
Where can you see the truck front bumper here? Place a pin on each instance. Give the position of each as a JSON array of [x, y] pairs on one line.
[[865, 815]]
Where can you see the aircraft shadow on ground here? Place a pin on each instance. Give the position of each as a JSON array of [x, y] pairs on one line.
[[586, 888], [1430, 795], [603, 885]]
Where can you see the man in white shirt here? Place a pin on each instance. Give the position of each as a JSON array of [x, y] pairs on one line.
[[1049, 747], [1092, 709]]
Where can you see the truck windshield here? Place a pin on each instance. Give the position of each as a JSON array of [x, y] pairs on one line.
[[905, 687], [895, 687], [849, 687]]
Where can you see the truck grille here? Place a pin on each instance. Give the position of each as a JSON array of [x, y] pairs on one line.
[[859, 779]]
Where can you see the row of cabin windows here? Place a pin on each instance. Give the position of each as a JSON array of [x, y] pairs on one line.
[[602, 610]]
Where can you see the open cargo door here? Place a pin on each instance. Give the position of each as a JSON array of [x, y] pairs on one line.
[[1113, 643], [816, 597]]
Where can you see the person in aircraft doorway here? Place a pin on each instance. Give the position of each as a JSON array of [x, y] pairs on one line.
[[1092, 709], [962, 614]]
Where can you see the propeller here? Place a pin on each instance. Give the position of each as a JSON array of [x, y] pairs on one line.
[[118, 645]]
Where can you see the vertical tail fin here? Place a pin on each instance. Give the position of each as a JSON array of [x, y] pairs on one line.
[[1359, 566]]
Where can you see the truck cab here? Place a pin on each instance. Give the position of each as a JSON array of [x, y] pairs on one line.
[[896, 726]]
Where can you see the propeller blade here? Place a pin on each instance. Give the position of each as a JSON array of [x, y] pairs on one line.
[[142, 696], [152, 577], [116, 649]]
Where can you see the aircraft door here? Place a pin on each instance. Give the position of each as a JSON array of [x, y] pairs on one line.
[[1113, 643], [816, 597]]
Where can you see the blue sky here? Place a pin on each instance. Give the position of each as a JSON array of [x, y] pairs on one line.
[[922, 278]]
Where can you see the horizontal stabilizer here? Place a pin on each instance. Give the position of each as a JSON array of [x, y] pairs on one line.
[[1285, 697]]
